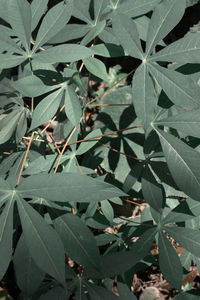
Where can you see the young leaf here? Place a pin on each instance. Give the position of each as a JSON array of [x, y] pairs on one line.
[[6, 236], [63, 53], [144, 99], [126, 32], [28, 275], [72, 106], [78, 240], [169, 262], [67, 187], [164, 19], [20, 19], [53, 22], [182, 163], [186, 237], [180, 89], [185, 50], [38, 7], [96, 67], [152, 190], [46, 109], [42, 241]]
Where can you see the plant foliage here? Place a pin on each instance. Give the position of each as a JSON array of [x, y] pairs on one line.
[[61, 180]]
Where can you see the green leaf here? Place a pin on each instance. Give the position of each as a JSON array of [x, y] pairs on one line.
[[93, 33], [185, 50], [7, 44], [187, 122], [72, 106], [42, 241], [180, 89], [119, 262], [96, 67], [32, 86], [126, 32], [107, 210], [28, 275], [8, 125], [81, 11], [20, 19], [108, 50], [67, 187], [169, 262], [78, 240], [188, 238], [9, 61], [144, 99], [182, 163], [6, 236], [136, 8], [86, 146], [70, 32], [182, 212], [53, 22], [56, 292], [152, 190], [38, 8], [63, 53], [165, 17], [46, 109]]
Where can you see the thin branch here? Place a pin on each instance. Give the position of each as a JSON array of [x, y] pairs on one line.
[[63, 149], [25, 156], [122, 153], [102, 135]]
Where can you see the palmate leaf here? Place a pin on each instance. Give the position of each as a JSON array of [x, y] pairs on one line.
[[169, 262], [6, 235], [46, 109], [20, 19], [188, 238], [53, 22], [63, 53], [185, 50], [180, 89], [126, 32], [81, 11], [85, 146], [144, 99], [164, 19], [67, 187], [28, 275], [182, 162], [187, 122], [78, 240], [42, 241]]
